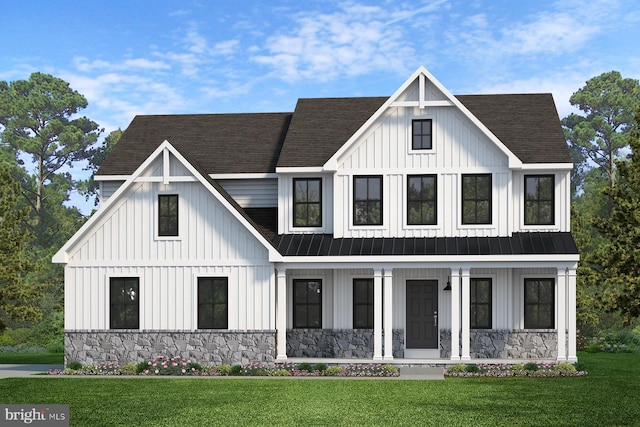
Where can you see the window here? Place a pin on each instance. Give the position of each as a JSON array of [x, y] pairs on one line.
[[421, 199], [213, 303], [307, 304], [539, 301], [480, 304], [167, 215], [476, 199], [124, 299], [367, 209], [421, 135], [539, 199], [363, 303], [307, 202]]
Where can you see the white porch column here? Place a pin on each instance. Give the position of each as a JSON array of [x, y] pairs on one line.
[[466, 314], [455, 314], [377, 314], [571, 295], [281, 315], [561, 314], [388, 314]]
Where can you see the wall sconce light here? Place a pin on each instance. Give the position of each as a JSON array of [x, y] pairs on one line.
[[448, 287]]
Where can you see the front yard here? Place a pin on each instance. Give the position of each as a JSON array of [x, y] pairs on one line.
[[607, 396]]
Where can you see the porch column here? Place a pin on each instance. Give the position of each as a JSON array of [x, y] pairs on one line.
[[561, 314], [466, 314], [571, 295], [281, 315], [377, 314], [455, 314], [388, 314]]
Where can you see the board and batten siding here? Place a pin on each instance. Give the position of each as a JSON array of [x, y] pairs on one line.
[[252, 193], [211, 242]]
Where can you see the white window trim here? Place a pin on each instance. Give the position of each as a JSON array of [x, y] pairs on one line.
[[194, 300], [107, 299], [429, 116], [323, 211], [405, 204], [385, 201], [493, 225], [556, 208], [323, 313], [555, 296]]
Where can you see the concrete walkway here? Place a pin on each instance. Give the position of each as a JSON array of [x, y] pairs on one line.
[[421, 373], [14, 371]]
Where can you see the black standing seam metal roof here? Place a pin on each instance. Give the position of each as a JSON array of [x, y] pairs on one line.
[[318, 245]]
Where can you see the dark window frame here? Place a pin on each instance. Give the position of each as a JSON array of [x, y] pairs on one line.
[[532, 309], [212, 306], [476, 200], [421, 137], [363, 303], [538, 201], [476, 322], [304, 308], [306, 203], [422, 201], [125, 312], [168, 215], [367, 217]]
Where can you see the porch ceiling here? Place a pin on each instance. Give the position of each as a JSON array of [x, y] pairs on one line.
[[534, 243]]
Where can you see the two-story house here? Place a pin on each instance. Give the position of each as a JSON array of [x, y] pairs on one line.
[[420, 226]]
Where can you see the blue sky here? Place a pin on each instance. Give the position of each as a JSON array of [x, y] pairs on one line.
[[163, 57]]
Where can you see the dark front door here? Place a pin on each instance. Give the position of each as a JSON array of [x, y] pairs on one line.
[[422, 314]]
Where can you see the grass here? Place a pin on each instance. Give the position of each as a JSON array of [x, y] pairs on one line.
[[607, 396], [31, 358]]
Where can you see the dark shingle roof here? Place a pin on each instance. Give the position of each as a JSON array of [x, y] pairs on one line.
[[258, 142], [222, 143], [320, 126], [527, 124], [319, 245]]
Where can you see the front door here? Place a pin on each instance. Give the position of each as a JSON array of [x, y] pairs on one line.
[[422, 314]]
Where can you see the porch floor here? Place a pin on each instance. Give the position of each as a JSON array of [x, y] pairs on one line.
[[411, 362]]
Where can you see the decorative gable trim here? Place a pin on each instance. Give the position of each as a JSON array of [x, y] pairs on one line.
[[164, 151], [422, 75]]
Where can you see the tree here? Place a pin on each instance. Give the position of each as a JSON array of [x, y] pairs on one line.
[[619, 258], [89, 187], [609, 103], [17, 298], [39, 120]]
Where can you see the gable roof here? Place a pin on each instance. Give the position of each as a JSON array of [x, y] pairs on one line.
[[193, 166], [222, 143]]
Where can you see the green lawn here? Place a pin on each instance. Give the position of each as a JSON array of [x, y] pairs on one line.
[[607, 396], [31, 358]]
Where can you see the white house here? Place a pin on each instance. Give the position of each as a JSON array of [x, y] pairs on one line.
[[366, 228]]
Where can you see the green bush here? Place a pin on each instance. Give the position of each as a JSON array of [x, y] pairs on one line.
[[223, 370], [460, 367], [580, 366], [566, 368], [320, 367], [55, 347], [15, 337], [129, 369], [333, 371], [141, 366], [593, 348], [531, 366], [472, 368], [517, 367], [236, 370], [282, 373], [390, 368], [305, 366], [75, 365]]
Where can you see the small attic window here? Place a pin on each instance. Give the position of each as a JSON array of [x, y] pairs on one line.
[[421, 134], [167, 215]]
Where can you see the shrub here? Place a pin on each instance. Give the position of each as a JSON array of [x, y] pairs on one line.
[[517, 367], [531, 367], [472, 368], [580, 366], [129, 369], [460, 367], [282, 373], [320, 367], [223, 370], [389, 368], [334, 371], [305, 366], [566, 368], [141, 366], [56, 347], [593, 348], [236, 370], [75, 365]]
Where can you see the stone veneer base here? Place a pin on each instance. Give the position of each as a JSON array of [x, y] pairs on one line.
[[506, 344], [204, 347], [338, 343]]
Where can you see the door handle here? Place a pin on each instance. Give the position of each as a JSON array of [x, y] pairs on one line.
[[435, 319]]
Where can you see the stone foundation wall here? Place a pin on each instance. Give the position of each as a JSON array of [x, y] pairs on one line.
[[506, 344], [218, 347], [338, 343]]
